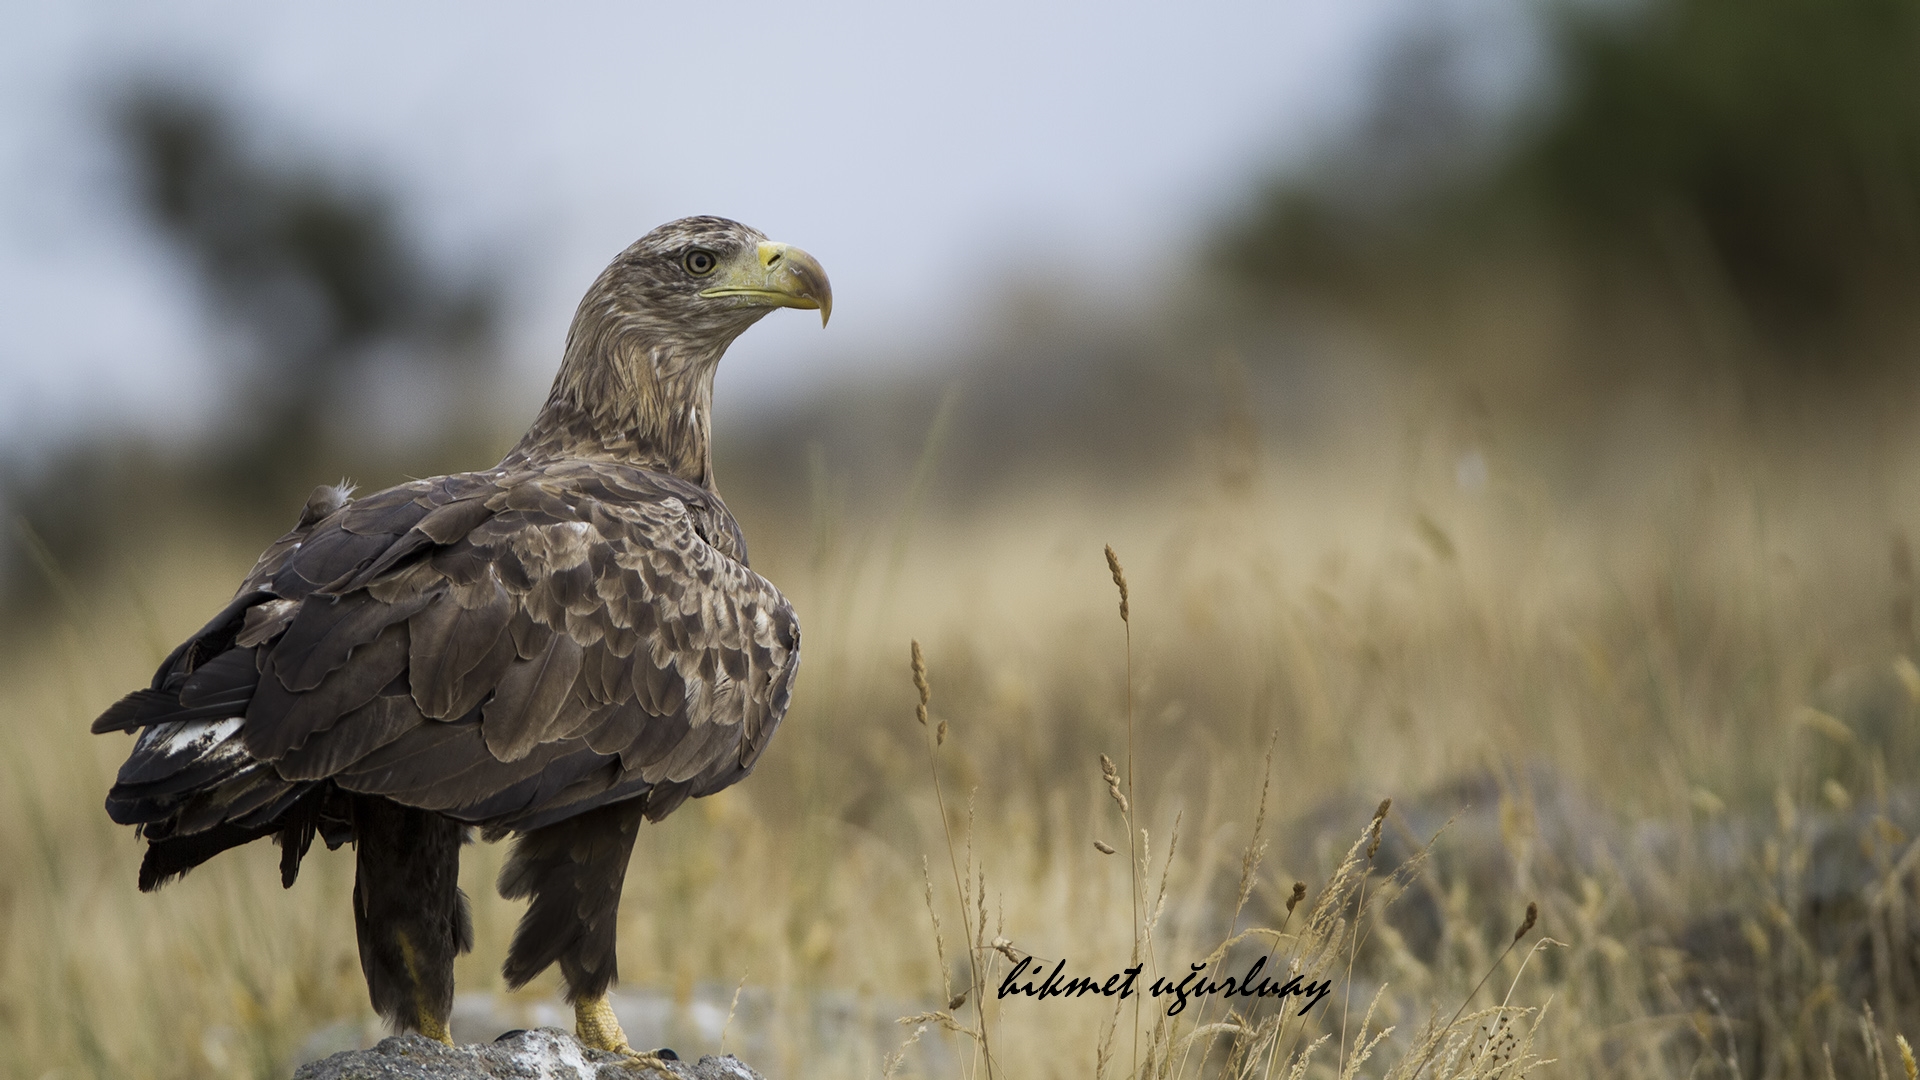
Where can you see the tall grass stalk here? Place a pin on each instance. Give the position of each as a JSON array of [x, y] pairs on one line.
[[935, 736], [1134, 855]]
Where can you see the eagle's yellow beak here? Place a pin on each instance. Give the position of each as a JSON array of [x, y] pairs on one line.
[[779, 275]]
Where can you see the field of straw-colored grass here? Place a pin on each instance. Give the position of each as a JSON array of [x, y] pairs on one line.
[[1675, 712]]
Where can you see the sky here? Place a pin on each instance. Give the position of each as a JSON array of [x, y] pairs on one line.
[[924, 153]]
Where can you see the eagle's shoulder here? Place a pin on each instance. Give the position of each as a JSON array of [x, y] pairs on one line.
[[655, 503]]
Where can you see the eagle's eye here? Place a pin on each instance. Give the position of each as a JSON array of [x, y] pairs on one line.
[[699, 262]]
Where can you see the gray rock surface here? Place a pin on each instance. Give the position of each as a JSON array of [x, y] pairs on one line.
[[541, 1054], [835, 1031]]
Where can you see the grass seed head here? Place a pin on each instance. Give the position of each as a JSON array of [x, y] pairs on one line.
[[1249, 863], [1380, 815], [1119, 580], [1111, 774], [1533, 916], [1104, 849], [1299, 894], [920, 683]]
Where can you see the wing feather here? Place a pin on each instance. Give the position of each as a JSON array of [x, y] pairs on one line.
[[327, 630], [279, 721], [356, 735], [529, 699], [450, 640]]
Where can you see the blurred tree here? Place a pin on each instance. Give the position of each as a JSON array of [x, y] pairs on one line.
[[1786, 131], [1773, 145], [312, 275], [320, 295]]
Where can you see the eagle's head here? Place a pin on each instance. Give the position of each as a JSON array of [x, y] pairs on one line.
[[700, 281], [641, 353]]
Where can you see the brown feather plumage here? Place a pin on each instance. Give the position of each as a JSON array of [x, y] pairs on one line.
[[571, 640]]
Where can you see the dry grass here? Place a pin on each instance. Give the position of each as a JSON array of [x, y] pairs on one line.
[[1666, 711]]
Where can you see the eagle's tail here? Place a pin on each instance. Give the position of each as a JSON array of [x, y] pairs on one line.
[[194, 791], [190, 785]]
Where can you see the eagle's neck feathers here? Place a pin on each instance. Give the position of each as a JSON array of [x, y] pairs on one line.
[[634, 390]]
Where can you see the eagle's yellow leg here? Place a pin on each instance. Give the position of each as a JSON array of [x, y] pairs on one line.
[[596, 1025], [425, 1021], [433, 1028]]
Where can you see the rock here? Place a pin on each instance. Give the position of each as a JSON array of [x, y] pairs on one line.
[[837, 1031], [541, 1054]]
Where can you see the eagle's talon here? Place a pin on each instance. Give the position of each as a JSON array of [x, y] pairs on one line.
[[650, 1060]]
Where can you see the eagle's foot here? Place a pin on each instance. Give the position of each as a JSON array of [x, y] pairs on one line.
[[597, 1027], [433, 1028]]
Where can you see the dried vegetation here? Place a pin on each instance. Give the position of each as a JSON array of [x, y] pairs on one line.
[[1665, 729]]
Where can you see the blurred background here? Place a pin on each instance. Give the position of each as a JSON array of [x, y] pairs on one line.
[[1503, 405]]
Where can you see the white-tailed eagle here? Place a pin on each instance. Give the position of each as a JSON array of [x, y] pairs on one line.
[[553, 648]]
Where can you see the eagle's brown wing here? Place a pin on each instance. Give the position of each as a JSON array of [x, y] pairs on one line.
[[509, 648]]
